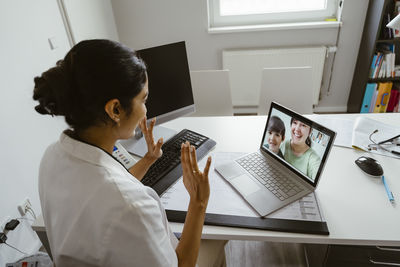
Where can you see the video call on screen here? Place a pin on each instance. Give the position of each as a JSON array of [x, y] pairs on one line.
[[297, 143]]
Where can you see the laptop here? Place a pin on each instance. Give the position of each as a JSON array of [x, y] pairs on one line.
[[288, 164]]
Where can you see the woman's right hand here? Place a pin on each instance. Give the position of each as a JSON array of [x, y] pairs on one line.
[[195, 181]]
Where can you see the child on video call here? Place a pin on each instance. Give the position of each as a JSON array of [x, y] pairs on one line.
[[275, 135]]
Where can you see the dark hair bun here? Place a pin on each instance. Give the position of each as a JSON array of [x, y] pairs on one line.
[[92, 73], [50, 89]]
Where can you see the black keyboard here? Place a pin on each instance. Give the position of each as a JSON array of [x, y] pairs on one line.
[[167, 169]]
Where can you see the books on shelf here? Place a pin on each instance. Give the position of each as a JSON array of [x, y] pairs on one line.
[[382, 92], [380, 98], [383, 62]]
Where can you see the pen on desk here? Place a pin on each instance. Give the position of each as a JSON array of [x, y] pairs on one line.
[[388, 192]]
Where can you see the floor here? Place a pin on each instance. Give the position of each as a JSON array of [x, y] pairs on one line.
[[257, 253]]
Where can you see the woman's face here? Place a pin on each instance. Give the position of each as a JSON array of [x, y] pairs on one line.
[[300, 132], [274, 140], [131, 121]]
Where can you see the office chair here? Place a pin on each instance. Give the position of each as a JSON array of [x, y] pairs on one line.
[[211, 93], [291, 87]]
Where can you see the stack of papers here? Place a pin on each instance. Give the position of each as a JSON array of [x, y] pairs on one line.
[[354, 133], [361, 138]]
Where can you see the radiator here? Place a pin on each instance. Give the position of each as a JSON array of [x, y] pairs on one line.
[[245, 68]]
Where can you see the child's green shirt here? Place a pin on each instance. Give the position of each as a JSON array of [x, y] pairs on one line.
[[308, 163]]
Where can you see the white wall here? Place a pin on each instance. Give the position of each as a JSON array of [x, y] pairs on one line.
[[90, 19], [145, 23], [25, 27]]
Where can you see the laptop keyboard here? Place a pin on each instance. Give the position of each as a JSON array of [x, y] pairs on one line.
[[274, 180]]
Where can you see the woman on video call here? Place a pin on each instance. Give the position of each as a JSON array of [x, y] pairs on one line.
[[96, 212], [298, 152]]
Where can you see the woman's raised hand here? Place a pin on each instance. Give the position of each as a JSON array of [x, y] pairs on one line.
[[153, 149], [195, 181]]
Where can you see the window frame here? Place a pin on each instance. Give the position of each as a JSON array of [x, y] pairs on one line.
[[215, 20]]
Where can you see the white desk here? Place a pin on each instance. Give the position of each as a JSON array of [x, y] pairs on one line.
[[356, 208]]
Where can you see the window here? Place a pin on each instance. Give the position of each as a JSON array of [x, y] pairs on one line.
[[256, 12]]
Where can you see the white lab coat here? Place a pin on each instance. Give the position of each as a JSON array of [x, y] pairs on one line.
[[97, 214]]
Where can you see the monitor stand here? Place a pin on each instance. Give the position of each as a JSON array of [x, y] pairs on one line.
[[137, 144]]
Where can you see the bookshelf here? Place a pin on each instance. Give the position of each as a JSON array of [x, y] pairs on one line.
[[371, 37], [382, 80], [394, 40]]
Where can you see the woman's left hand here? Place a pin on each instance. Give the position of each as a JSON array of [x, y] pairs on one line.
[[153, 149]]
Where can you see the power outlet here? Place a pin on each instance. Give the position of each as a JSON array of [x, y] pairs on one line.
[[24, 207]]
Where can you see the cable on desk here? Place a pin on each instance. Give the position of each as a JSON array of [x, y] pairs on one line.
[[15, 248]]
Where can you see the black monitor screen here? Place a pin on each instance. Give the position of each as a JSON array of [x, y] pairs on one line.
[[170, 88]]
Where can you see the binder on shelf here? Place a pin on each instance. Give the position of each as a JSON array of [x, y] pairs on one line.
[[383, 96], [373, 100], [393, 100], [369, 92]]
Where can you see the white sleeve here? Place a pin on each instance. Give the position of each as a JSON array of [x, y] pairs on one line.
[[138, 237]]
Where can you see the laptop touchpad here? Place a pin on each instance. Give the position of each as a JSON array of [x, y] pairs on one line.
[[245, 185]]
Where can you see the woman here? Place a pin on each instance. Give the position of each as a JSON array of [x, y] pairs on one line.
[[298, 152], [96, 212]]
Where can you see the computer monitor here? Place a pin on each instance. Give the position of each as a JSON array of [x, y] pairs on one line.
[[170, 87], [170, 91]]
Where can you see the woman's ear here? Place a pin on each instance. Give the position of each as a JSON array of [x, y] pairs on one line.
[[113, 109]]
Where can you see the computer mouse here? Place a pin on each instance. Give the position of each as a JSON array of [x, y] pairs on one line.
[[369, 166]]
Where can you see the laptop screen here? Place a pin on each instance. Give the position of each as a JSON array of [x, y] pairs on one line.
[[298, 142]]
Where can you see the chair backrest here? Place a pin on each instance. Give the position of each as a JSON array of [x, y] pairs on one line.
[[291, 87], [211, 93]]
